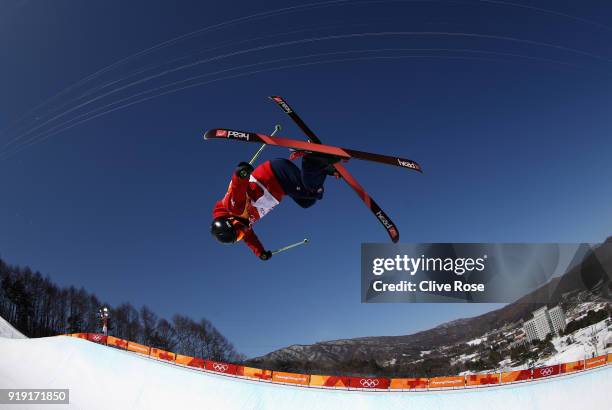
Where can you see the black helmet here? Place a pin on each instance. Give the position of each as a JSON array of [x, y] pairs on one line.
[[223, 230]]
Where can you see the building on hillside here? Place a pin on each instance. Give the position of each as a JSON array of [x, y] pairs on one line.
[[608, 341], [557, 319], [544, 322], [519, 339]]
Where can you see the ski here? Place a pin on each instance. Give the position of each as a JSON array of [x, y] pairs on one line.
[[382, 217], [317, 147]]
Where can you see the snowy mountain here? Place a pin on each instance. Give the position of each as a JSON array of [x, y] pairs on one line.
[[587, 281], [101, 377]]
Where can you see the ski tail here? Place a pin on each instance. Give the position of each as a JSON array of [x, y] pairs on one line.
[[382, 217]]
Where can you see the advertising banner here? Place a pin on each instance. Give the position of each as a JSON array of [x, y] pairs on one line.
[[572, 366], [138, 348], [446, 382], [547, 371], [294, 378], [594, 362], [369, 382], [220, 367], [409, 383], [515, 376], [116, 342], [162, 354], [482, 379], [190, 361], [329, 381], [97, 338], [254, 373]]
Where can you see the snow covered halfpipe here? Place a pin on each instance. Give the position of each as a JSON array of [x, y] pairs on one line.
[[101, 377], [7, 330]]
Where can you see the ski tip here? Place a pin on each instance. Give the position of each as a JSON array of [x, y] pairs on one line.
[[214, 133], [208, 134]]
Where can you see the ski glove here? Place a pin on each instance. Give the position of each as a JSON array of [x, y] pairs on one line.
[[243, 170], [265, 255]]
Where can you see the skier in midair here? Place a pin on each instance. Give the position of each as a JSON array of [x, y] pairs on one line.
[[253, 192], [248, 200]]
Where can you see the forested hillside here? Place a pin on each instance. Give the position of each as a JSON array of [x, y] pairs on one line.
[[37, 307]]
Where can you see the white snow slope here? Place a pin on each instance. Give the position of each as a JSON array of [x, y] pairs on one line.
[[582, 345], [6, 330], [101, 377]]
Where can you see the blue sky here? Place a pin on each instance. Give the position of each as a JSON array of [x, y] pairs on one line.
[[506, 107]]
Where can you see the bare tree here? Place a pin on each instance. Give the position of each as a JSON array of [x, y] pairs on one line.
[[37, 307]]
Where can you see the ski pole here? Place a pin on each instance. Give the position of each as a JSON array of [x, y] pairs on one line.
[[277, 128], [293, 245]]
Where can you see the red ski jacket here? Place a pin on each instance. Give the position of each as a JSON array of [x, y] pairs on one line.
[[250, 199]]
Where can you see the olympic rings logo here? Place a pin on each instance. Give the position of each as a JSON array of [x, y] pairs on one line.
[[547, 371], [96, 338], [369, 383], [220, 367]]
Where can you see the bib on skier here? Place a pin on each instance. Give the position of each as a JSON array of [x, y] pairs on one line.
[[265, 201]]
